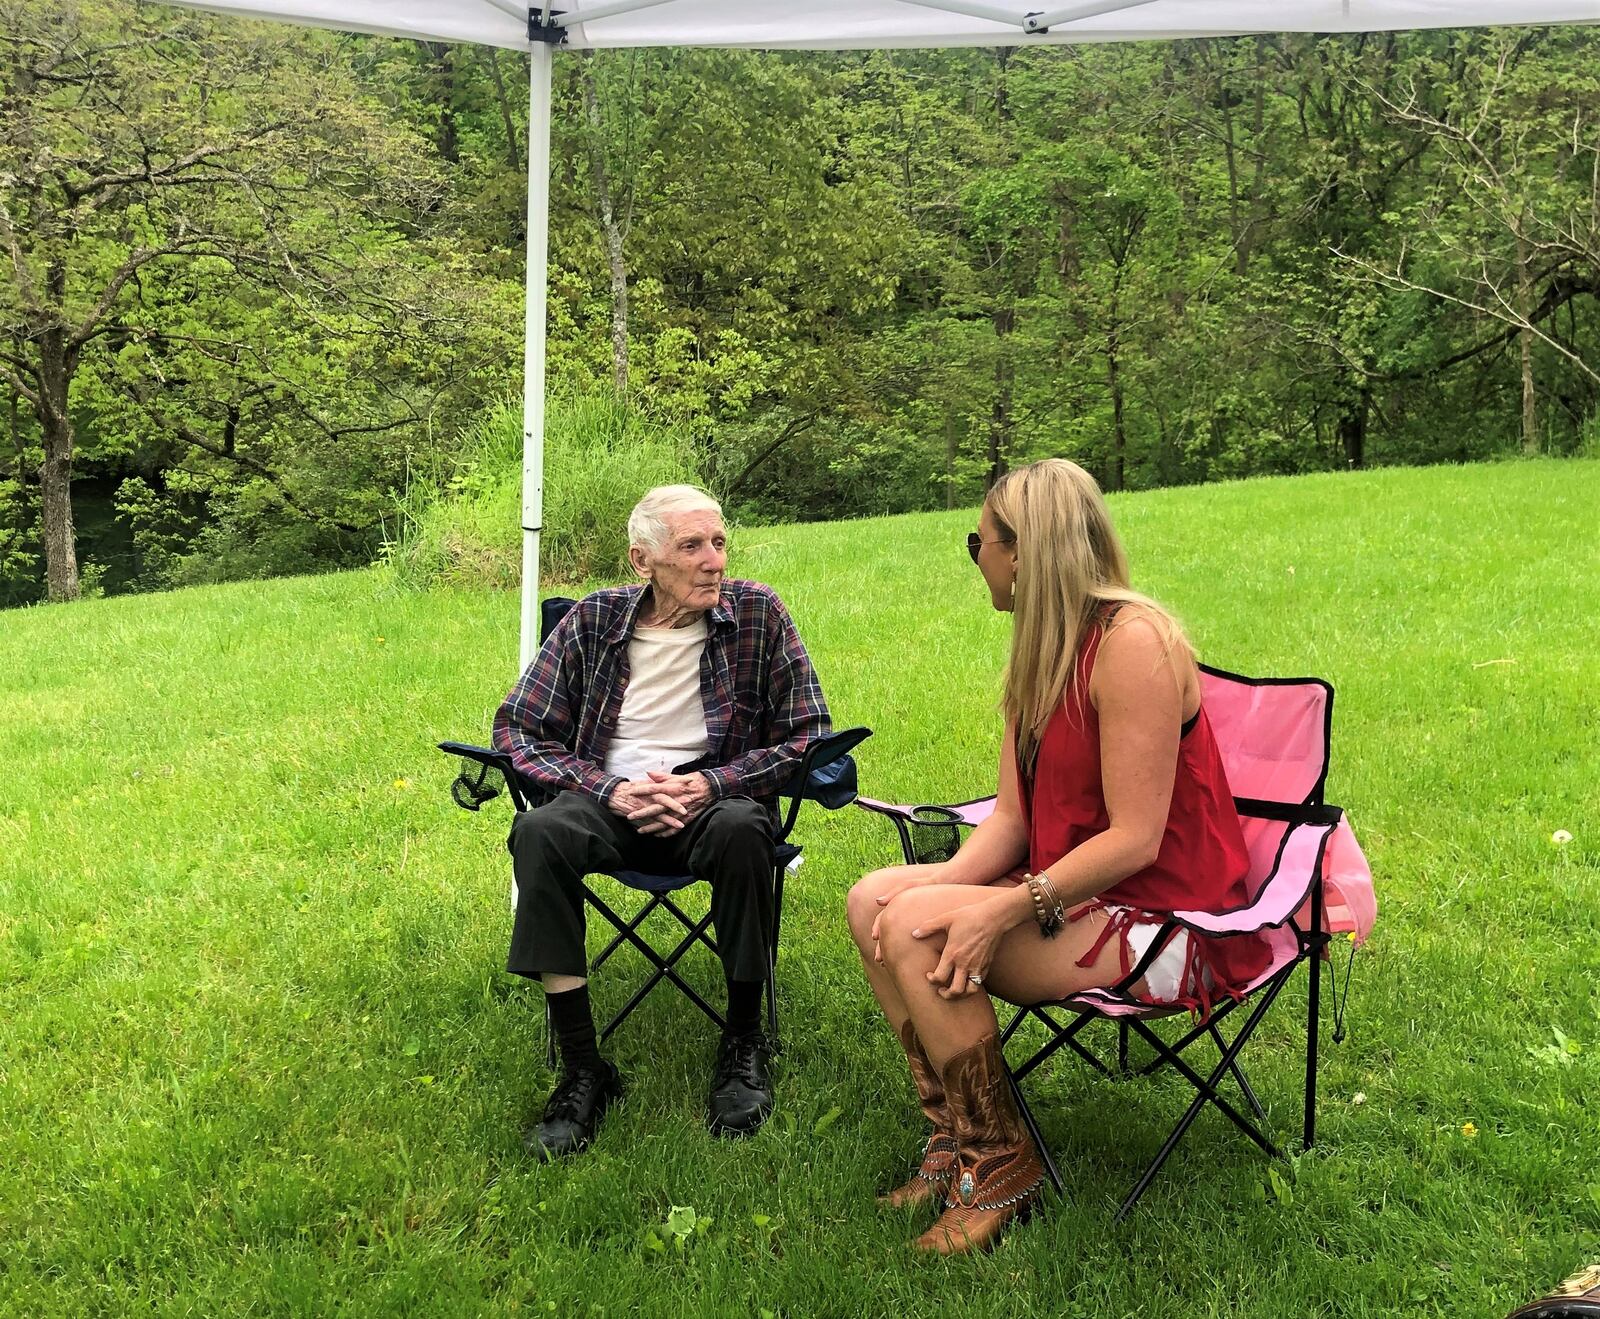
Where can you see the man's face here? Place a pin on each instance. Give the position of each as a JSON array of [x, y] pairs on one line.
[[686, 572]]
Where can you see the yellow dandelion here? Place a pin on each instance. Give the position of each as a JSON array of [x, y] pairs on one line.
[[1469, 1130], [401, 785]]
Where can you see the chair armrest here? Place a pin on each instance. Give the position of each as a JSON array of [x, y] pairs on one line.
[[931, 833], [1296, 871], [483, 755], [823, 752], [964, 814], [469, 790]]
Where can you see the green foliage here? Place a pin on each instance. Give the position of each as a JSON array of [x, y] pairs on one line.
[[600, 456], [858, 283], [19, 550]]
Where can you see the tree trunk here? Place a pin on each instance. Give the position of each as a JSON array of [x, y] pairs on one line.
[[55, 473], [950, 459], [1004, 316], [1530, 415], [1241, 257], [1117, 474], [449, 138], [513, 148], [611, 231], [1353, 430], [1000, 413], [1257, 185]]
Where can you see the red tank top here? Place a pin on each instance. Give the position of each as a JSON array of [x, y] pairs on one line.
[[1202, 864]]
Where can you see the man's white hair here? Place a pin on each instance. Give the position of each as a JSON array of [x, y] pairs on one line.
[[648, 524]]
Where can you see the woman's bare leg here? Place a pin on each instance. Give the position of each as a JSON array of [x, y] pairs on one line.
[[863, 910], [1026, 969]]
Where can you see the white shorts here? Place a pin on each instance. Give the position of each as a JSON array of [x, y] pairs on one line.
[[1164, 978]]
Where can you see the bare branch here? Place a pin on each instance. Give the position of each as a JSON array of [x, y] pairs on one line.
[[8, 235], [20, 364], [15, 381], [195, 246], [1502, 312], [190, 436], [172, 173]]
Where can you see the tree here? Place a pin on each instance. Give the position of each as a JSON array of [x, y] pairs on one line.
[[1513, 222], [143, 151]]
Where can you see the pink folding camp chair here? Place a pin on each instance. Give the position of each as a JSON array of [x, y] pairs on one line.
[[1308, 879]]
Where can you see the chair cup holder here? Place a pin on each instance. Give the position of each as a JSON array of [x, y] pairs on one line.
[[934, 835]]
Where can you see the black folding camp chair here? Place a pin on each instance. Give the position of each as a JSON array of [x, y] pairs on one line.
[[826, 774], [1274, 737]]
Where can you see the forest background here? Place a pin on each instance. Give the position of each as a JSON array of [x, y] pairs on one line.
[[261, 287]]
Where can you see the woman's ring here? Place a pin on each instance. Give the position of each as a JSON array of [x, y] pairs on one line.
[[974, 980]]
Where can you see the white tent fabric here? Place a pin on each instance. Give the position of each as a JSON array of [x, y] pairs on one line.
[[815, 25], [861, 24]]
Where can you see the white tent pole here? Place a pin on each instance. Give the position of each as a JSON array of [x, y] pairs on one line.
[[991, 13], [1043, 22], [606, 9], [510, 8], [540, 59]]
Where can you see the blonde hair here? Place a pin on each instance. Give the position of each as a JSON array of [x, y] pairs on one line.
[[649, 524], [1070, 564]]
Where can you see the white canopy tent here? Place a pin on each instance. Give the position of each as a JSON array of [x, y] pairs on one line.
[[814, 25]]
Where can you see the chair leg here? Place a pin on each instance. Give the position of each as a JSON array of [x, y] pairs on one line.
[[1032, 1124], [1062, 1037], [772, 958], [1312, 1021], [1208, 1087], [664, 966], [1149, 1174], [1318, 940], [1206, 1093], [1122, 1048], [1238, 1075], [621, 936], [689, 923]]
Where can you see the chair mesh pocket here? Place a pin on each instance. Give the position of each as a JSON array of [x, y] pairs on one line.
[[933, 834], [472, 788]]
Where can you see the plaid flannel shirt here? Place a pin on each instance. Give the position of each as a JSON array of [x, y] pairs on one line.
[[762, 700]]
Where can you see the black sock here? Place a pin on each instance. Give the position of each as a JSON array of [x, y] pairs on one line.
[[573, 1024], [744, 1006]]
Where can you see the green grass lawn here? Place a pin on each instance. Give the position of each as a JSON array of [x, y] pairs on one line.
[[257, 1055]]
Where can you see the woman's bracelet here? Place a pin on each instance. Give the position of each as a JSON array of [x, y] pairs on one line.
[[1049, 915], [1058, 910], [1035, 893]]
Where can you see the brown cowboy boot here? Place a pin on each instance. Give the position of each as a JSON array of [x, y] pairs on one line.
[[929, 1182], [998, 1174]]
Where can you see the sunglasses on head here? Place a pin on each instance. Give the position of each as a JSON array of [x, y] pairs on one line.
[[975, 542]]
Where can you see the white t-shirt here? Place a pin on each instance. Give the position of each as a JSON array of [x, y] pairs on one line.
[[662, 723]]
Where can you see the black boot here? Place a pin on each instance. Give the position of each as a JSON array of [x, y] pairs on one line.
[[574, 1110]]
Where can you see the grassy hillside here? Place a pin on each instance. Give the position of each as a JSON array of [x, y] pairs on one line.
[[257, 1055]]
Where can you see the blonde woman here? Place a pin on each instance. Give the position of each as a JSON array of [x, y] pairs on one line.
[[1113, 809]]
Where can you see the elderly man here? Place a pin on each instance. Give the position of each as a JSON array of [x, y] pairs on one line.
[[661, 719]]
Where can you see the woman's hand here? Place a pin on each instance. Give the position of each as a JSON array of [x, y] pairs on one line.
[[972, 933], [896, 880]]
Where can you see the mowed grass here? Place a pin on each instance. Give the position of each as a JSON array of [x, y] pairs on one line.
[[258, 1056]]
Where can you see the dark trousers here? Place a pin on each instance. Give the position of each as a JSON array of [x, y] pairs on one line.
[[729, 846]]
